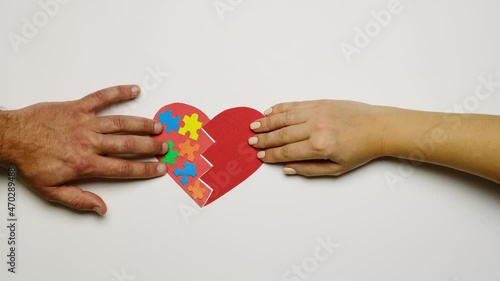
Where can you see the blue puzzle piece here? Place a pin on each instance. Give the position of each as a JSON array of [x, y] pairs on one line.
[[189, 170], [168, 119]]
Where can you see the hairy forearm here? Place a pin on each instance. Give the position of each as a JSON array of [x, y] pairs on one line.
[[7, 133], [466, 142], [3, 129]]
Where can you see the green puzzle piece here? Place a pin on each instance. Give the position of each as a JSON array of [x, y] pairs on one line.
[[171, 154]]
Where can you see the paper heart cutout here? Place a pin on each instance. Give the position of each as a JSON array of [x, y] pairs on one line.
[[207, 158]]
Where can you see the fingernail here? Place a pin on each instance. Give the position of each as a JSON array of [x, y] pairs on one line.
[[253, 140], [165, 147], [135, 90], [289, 171], [268, 111], [162, 169], [255, 125], [97, 210], [261, 154], [158, 128]]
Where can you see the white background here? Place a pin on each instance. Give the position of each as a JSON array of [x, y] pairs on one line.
[[436, 224]]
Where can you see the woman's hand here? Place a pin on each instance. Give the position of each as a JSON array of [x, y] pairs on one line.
[[317, 138], [329, 137]]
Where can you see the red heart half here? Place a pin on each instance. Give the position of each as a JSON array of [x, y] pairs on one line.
[[207, 158]]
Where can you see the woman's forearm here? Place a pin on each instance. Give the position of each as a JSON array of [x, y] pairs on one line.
[[466, 142], [332, 137]]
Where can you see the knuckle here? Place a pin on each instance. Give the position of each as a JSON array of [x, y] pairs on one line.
[[289, 118], [263, 141], [106, 125], [282, 136], [100, 95], [267, 123], [318, 145], [322, 147], [295, 104], [108, 146], [75, 110], [82, 165], [303, 170], [128, 144], [125, 169], [118, 123], [286, 153], [82, 141], [78, 203], [118, 90], [278, 108], [148, 169]]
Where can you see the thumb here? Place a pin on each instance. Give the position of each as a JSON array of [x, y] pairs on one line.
[[313, 168], [76, 198]]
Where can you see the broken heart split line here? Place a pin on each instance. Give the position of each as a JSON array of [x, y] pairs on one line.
[[208, 157]]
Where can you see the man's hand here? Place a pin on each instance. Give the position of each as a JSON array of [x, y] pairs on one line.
[[53, 144]]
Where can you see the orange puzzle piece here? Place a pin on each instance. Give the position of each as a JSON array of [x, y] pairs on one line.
[[187, 149], [196, 190]]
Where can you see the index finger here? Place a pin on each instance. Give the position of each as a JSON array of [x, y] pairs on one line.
[[288, 106], [278, 121], [106, 97], [109, 167], [297, 151]]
